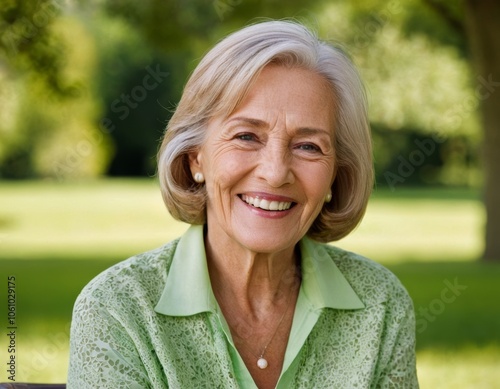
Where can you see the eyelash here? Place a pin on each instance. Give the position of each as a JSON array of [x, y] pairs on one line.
[[246, 137], [309, 147]]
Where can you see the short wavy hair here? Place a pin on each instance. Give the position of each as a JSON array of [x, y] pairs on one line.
[[221, 81]]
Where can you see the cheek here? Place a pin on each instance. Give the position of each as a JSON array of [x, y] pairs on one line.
[[319, 178], [226, 171]]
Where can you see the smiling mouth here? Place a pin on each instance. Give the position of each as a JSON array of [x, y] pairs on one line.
[[267, 205]]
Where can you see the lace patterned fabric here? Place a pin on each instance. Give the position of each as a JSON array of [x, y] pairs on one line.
[[118, 340]]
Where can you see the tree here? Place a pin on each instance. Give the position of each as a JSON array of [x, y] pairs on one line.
[[417, 84], [483, 31], [46, 102], [28, 44], [472, 28], [161, 35], [481, 25]]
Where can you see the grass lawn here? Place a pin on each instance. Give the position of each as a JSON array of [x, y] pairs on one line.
[[54, 237]]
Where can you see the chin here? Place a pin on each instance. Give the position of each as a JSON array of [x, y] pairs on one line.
[[267, 243]]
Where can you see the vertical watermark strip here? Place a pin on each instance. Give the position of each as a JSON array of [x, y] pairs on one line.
[[11, 329]]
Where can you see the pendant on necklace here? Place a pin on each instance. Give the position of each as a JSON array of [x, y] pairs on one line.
[[262, 363]]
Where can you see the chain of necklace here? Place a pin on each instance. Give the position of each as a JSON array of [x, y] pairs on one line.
[[262, 362]]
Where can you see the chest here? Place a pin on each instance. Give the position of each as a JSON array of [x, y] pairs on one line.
[[263, 348], [334, 349]]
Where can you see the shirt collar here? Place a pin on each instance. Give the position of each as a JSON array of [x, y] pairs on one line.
[[323, 283], [188, 290]]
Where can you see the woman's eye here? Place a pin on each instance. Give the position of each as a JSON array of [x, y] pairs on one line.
[[308, 147], [246, 137]]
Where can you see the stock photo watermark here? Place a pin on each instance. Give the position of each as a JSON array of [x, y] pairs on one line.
[[436, 307], [42, 358], [11, 328], [363, 33], [379, 21], [131, 100], [122, 105], [416, 158], [425, 148], [39, 359], [25, 29], [222, 7]]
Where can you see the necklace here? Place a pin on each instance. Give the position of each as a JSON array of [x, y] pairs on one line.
[[262, 362]]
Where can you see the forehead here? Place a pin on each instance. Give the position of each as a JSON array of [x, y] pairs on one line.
[[296, 95]]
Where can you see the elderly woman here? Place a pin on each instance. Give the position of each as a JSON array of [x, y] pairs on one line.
[[267, 155]]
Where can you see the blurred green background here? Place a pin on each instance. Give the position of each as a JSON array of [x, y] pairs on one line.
[[88, 87]]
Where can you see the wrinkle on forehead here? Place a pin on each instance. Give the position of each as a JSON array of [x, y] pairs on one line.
[[282, 102]]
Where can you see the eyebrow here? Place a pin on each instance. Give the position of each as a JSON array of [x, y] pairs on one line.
[[260, 124]]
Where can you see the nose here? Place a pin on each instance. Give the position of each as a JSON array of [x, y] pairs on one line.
[[275, 164]]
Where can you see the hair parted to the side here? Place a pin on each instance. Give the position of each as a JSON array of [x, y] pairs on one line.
[[220, 82]]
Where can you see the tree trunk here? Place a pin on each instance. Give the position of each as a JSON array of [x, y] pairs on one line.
[[483, 32]]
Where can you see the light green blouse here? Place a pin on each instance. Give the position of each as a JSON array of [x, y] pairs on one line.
[[153, 322]]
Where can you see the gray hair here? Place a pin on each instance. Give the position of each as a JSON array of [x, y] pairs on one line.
[[219, 84]]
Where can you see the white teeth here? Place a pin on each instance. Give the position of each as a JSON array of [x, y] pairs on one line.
[[274, 206], [266, 204]]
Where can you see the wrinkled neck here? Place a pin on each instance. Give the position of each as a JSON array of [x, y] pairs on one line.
[[254, 282]]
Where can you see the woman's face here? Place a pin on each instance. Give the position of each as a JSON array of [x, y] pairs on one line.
[[270, 164]]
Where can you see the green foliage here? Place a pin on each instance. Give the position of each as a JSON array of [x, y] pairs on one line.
[[411, 81], [137, 85], [197, 24], [442, 21], [48, 132], [418, 86], [82, 110], [409, 157], [29, 45], [169, 25]]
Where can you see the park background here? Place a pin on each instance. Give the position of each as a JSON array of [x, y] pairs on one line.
[[88, 87]]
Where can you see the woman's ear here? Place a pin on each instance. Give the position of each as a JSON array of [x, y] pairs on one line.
[[195, 162]]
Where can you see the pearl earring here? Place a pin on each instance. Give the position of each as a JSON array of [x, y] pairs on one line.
[[328, 197], [198, 177]]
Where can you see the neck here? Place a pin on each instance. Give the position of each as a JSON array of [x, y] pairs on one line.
[[255, 282]]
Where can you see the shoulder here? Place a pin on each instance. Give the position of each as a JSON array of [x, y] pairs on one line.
[[141, 276], [372, 282]]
